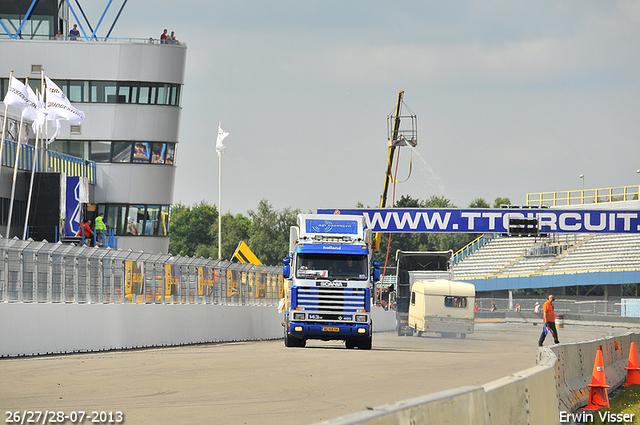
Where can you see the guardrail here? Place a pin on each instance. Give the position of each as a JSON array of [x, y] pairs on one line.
[[544, 394], [47, 161], [42, 272]]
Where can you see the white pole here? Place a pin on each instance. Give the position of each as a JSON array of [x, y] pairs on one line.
[[34, 164], [219, 205], [4, 123], [15, 176]]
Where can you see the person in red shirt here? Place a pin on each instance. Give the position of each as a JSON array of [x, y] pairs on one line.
[[549, 320], [85, 230]]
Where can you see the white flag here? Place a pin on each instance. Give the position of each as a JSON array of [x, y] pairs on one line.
[[59, 107], [39, 109], [221, 135], [18, 97]]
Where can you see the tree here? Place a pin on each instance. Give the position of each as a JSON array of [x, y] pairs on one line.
[[479, 203], [235, 228], [269, 233], [501, 201], [190, 228]]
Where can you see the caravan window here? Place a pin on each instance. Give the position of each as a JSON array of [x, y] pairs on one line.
[[413, 298], [456, 302]]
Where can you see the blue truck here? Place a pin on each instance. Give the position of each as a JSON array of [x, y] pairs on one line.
[[329, 277]]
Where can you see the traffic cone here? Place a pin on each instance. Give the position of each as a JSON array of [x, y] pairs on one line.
[[598, 397], [633, 371]]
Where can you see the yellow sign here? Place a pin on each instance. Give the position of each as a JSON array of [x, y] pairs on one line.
[[244, 255], [134, 278], [327, 329]]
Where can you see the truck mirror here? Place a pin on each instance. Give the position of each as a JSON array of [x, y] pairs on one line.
[[376, 270], [286, 269]]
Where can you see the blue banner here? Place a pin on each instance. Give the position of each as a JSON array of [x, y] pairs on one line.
[[478, 220], [73, 213], [343, 227]]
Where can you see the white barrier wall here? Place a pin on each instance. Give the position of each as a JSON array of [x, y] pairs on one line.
[[41, 328], [536, 395]]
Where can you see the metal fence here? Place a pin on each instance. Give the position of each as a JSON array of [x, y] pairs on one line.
[[42, 272]]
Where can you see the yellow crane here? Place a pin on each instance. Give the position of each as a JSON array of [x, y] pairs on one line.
[[397, 136]]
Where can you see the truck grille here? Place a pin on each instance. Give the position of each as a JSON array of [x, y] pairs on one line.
[[338, 300]]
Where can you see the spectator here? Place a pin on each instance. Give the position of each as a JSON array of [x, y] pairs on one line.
[[74, 32], [173, 39], [164, 37]]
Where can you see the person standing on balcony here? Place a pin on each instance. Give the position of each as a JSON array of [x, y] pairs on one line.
[[549, 319], [101, 228], [74, 32]]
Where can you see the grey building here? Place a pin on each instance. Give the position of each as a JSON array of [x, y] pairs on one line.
[[130, 91]]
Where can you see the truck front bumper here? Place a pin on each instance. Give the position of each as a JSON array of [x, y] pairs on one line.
[[330, 331]]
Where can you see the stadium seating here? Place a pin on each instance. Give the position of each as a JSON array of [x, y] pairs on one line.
[[504, 256]]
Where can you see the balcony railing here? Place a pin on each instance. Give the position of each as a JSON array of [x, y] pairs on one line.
[[47, 161]]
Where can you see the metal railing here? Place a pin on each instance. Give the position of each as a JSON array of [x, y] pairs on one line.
[[42, 272], [47, 161], [580, 197]]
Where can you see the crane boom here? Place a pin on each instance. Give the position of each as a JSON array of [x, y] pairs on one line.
[[387, 177]]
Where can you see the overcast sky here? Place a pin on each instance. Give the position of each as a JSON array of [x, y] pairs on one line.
[[512, 97]]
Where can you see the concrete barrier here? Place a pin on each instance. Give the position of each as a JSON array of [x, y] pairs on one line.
[[538, 395], [55, 328], [464, 405]]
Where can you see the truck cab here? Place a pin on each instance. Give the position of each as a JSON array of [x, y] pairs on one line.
[[329, 281]]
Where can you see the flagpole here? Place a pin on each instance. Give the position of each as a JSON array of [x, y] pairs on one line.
[[34, 163], [15, 171], [4, 123], [219, 205]]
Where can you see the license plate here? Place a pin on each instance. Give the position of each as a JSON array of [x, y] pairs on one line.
[[328, 329]]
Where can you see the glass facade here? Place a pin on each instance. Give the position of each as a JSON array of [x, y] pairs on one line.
[[158, 153], [132, 92], [136, 220]]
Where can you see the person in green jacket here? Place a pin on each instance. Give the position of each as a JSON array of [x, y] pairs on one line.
[[100, 227]]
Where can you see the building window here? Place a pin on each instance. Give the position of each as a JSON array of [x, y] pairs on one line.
[[136, 220], [100, 151], [78, 91], [141, 152], [133, 92], [121, 152], [158, 151]]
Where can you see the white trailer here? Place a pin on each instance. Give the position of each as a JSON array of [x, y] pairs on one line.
[[442, 306]]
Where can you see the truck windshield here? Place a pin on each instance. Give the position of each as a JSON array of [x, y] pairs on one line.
[[312, 266]]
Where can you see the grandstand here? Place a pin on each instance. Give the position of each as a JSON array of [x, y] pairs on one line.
[[500, 262]]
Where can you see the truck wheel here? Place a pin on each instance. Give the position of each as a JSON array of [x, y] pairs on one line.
[[463, 336], [365, 344], [288, 341], [350, 344], [419, 333]]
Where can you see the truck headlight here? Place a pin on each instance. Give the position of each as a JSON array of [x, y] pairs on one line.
[[361, 317], [362, 330], [298, 316], [297, 328]]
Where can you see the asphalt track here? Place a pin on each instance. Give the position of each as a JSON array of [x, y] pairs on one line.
[[264, 383]]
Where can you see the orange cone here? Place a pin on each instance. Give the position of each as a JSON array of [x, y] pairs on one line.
[[598, 397], [633, 371]]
